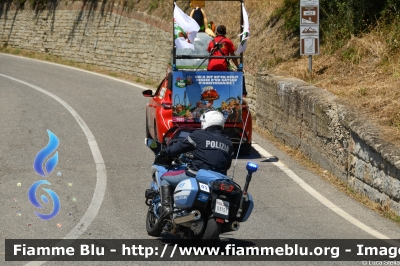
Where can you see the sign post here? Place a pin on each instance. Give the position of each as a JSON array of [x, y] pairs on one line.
[[309, 29]]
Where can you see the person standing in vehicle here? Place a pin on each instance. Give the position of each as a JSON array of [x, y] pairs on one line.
[[200, 17], [221, 46], [212, 150]]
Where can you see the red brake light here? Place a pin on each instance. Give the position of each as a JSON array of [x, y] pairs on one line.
[[219, 220], [226, 187]]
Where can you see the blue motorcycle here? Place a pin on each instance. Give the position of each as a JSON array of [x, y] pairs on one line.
[[203, 207]]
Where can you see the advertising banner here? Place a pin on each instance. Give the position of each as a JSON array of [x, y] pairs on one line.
[[195, 92]]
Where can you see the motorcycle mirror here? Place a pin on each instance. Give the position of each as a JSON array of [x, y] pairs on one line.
[[251, 167], [151, 143]]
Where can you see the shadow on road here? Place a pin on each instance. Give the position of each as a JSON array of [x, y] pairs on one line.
[[256, 155]]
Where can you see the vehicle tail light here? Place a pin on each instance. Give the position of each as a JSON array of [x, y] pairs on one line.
[[226, 187], [167, 105], [219, 220], [244, 138]]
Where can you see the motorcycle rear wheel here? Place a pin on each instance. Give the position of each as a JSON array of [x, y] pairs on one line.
[[151, 220], [210, 235]]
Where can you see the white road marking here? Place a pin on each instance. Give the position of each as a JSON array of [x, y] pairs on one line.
[[318, 196], [101, 181], [86, 71]]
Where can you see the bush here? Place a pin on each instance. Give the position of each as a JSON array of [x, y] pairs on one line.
[[290, 13], [341, 19]]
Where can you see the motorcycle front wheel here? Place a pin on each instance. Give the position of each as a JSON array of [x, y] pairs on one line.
[[151, 221]]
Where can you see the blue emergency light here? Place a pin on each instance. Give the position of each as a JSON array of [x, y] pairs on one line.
[[251, 167]]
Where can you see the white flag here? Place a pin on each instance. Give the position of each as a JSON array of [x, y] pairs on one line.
[[245, 34], [185, 29]]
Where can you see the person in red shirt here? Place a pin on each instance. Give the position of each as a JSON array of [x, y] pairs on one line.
[[221, 46]]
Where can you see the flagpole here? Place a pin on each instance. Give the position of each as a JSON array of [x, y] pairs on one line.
[[173, 40], [241, 24]]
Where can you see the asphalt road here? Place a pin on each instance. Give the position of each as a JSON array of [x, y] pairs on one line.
[[103, 168]]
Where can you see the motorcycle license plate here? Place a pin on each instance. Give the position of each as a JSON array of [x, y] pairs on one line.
[[222, 207]]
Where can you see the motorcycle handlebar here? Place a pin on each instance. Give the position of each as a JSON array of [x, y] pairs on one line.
[[162, 159], [168, 161]]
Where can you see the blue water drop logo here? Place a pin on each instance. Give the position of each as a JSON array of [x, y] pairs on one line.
[[44, 169]]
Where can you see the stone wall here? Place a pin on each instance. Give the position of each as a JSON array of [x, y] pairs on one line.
[[106, 36], [331, 134]]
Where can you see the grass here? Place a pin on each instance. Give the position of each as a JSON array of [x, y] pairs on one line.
[[153, 5], [363, 91], [17, 51], [365, 67], [351, 54]]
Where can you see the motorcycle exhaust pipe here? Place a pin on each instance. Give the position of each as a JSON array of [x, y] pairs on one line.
[[235, 226], [192, 216], [231, 226]]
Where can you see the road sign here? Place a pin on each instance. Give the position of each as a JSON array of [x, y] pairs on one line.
[[309, 27], [309, 2], [309, 45], [309, 30], [309, 15]]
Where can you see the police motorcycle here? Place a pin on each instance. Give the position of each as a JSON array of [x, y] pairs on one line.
[[203, 207]]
